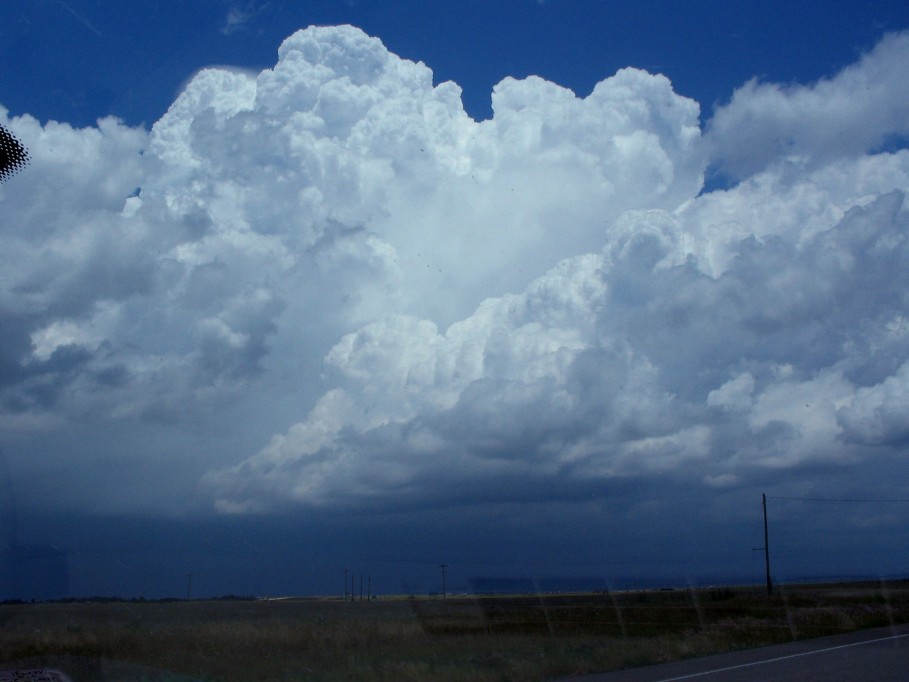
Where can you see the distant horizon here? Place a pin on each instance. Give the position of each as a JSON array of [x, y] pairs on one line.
[[627, 585]]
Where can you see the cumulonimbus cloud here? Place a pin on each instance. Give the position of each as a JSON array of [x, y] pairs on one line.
[[507, 309]]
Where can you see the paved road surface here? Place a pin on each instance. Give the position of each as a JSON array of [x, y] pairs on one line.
[[881, 654]]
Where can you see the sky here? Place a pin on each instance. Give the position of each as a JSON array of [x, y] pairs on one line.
[[547, 290]]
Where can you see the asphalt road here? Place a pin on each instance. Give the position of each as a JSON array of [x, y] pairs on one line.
[[881, 654]]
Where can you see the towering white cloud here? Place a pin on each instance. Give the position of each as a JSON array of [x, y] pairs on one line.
[[444, 310], [637, 360]]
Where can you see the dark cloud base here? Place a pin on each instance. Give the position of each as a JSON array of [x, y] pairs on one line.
[[667, 535]]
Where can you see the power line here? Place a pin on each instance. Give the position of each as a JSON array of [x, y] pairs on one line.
[[764, 499], [839, 499]]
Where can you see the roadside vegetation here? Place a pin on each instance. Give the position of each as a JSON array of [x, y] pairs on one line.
[[475, 638]]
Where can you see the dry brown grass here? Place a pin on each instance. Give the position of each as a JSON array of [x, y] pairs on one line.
[[477, 639]]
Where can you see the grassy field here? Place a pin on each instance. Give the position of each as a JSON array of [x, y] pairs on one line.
[[518, 637]]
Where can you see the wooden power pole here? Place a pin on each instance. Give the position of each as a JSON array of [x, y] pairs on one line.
[[766, 546]]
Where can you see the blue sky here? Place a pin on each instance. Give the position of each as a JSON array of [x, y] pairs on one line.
[[533, 289], [78, 60]]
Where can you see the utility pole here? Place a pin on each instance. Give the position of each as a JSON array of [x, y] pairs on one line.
[[443, 567], [189, 584], [345, 584], [361, 587], [369, 588], [766, 546]]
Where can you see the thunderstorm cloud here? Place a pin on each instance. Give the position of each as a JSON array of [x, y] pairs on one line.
[[436, 310]]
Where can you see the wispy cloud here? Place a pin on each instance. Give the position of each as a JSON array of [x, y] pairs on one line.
[[240, 15], [81, 19]]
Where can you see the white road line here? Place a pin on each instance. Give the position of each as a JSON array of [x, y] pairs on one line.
[[781, 658]]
